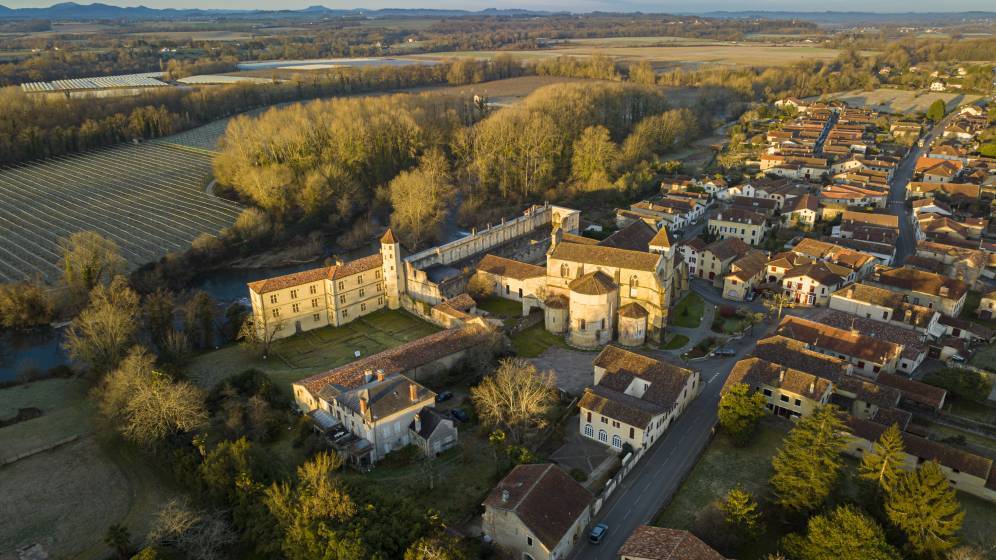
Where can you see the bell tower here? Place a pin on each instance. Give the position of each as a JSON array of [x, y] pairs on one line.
[[393, 269]]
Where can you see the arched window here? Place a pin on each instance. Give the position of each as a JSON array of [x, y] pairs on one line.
[[603, 436], [565, 270], [589, 431], [617, 442], [634, 284]]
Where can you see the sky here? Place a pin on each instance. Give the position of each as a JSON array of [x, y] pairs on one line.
[[669, 6]]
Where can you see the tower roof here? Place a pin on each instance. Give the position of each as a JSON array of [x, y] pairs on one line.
[[388, 237]]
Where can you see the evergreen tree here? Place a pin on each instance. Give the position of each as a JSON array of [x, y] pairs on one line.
[[845, 533], [741, 511], [885, 461], [936, 110], [739, 411], [809, 462], [923, 506]]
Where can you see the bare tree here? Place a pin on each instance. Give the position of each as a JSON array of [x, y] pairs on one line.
[[775, 303], [516, 396], [201, 535], [420, 198], [89, 260], [145, 405], [257, 339], [106, 328]]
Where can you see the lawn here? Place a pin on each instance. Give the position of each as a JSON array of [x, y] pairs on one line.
[[890, 100], [728, 325], [675, 342], [532, 342], [985, 358], [65, 413], [721, 467], [688, 312], [311, 352], [503, 308]]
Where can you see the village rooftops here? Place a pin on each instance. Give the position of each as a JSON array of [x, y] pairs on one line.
[[544, 497], [728, 248], [399, 359], [749, 265], [661, 543], [846, 343], [384, 397], [634, 237], [765, 204], [610, 398], [606, 256], [908, 338], [740, 216], [804, 202], [919, 316], [821, 250], [500, 266], [756, 372], [906, 278], [794, 354], [316, 274], [879, 220], [927, 395], [823, 272], [927, 450], [869, 392]]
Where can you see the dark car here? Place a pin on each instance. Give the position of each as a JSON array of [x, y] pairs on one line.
[[724, 352], [444, 396], [460, 415], [598, 533]]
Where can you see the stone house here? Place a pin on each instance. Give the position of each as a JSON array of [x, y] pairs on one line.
[[802, 211], [867, 355], [746, 274], [745, 225], [537, 512], [514, 280], [931, 290], [634, 398], [433, 432], [715, 259], [879, 304], [811, 285], [788, 392]]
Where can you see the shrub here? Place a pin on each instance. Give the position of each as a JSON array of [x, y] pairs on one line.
[[579, 475], [727, 311]]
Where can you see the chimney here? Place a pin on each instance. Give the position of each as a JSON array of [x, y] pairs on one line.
[[418, 423], [908, 316], [364, 407], [781, 376], [380, 375], [413, 392], [505, 496], [943, 291], [812, 387], [368, 376], [338, 260]]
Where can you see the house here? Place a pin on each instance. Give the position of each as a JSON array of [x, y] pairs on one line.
[[792, 103], [912, 343], [802, 211], [879, 304], [745, 225], [868, 355], [433, 432], [958, 328], [934, 291], [943, 172], [537, 512], [662, 543], [987, 306], [634, 398], [868, 226], [512, 279], [691, 253], [715, 259], [914, 392], [781, 263], [793, 354], [923, 189], [967, 472], [861, 263], [746, 274], [765, 206], [811, 285], [956, 262], [788, 392], [930, 206]]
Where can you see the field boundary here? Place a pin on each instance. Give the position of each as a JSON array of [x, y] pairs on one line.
[[40, 449]]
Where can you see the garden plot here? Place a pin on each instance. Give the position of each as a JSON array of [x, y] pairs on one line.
[[148, 198]]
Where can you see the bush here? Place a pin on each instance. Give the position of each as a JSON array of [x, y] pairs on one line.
[[579, 475], [963, 383]]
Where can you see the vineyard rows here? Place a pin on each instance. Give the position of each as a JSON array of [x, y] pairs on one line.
[[148, 198]]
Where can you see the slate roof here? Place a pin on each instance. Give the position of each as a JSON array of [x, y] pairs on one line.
[[429, 420], [544, 497], [500, 266], [606, 256], [927, 450], [634, 237], [384, 398], [662, 543]]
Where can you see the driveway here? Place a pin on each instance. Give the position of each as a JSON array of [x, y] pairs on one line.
[[579, 452]]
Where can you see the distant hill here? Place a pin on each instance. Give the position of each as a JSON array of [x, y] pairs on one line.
[[858, 17]]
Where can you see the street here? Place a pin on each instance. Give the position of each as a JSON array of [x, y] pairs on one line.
[[897, 193]]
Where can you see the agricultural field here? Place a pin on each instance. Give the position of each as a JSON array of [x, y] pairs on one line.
[[669, 56], [147, 198], [889, 100]]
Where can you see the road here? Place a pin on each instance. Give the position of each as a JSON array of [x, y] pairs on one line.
[[897, 193]]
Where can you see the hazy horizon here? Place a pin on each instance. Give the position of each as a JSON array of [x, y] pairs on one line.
[[885, 6]]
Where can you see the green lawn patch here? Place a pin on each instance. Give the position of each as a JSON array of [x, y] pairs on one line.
[[503, 308], [730, 325], [675, 342], [985, 358], [977, 529], [299, 356], [688, 312], [972, 299], [535, 340]]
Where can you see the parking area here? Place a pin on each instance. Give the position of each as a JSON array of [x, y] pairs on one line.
[[572, 368]]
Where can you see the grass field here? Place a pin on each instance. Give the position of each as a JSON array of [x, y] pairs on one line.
[[532, 342], [675, 341], [148, 198], [901, 101], [314, 351], [688, 312], [66, 497]]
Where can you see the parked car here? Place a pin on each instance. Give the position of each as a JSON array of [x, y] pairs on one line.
[[750, 296], [598, 533], [957, 358], [724, 352], [444, 396], [460, 415]]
